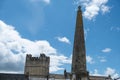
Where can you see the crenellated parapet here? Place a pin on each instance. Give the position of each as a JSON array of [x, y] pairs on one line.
[[42, 57]]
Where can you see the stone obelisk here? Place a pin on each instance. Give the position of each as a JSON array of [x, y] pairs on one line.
[[79, 54]]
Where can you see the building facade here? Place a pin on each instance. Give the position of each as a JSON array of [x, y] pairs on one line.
[[8, 76]]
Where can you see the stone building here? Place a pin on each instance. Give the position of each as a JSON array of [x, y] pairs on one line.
[[8, 76], [37, 66]]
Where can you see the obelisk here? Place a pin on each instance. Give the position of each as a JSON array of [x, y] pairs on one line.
[[79, 53]]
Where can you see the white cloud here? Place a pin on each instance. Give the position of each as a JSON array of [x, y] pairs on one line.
[[102, 59], [115, 29], [13, 49], [108, 71], [59, 61], [46, 1], [89, 59], [64, 40], [91, 11], [112, 72], [86, 32], [118, 28], [96, 73], [93, 7], [105, 9], [106, 50]]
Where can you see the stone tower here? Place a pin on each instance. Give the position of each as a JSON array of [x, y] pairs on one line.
[[37, 66], [79, 54]]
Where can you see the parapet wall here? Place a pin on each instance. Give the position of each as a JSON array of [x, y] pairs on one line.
[[42, 57]]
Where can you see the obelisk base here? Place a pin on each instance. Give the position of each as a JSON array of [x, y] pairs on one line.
[[82, 75]]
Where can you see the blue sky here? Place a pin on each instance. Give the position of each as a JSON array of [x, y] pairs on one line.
[[47, 26]]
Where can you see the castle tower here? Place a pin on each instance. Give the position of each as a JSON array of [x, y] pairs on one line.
[[37, 66], [79, 54]]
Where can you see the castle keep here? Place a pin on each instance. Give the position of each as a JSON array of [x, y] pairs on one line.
[[37, 66]]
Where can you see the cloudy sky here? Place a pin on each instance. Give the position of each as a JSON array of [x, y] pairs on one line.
[[47, 26]]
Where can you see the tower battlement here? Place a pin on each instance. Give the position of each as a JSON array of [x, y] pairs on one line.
[[42, 57]]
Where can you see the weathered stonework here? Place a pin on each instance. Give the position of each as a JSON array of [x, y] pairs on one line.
[[37, 66], [10, 76], [79, 54]]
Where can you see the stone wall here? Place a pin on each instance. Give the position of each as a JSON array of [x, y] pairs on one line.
[[8, 76]]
